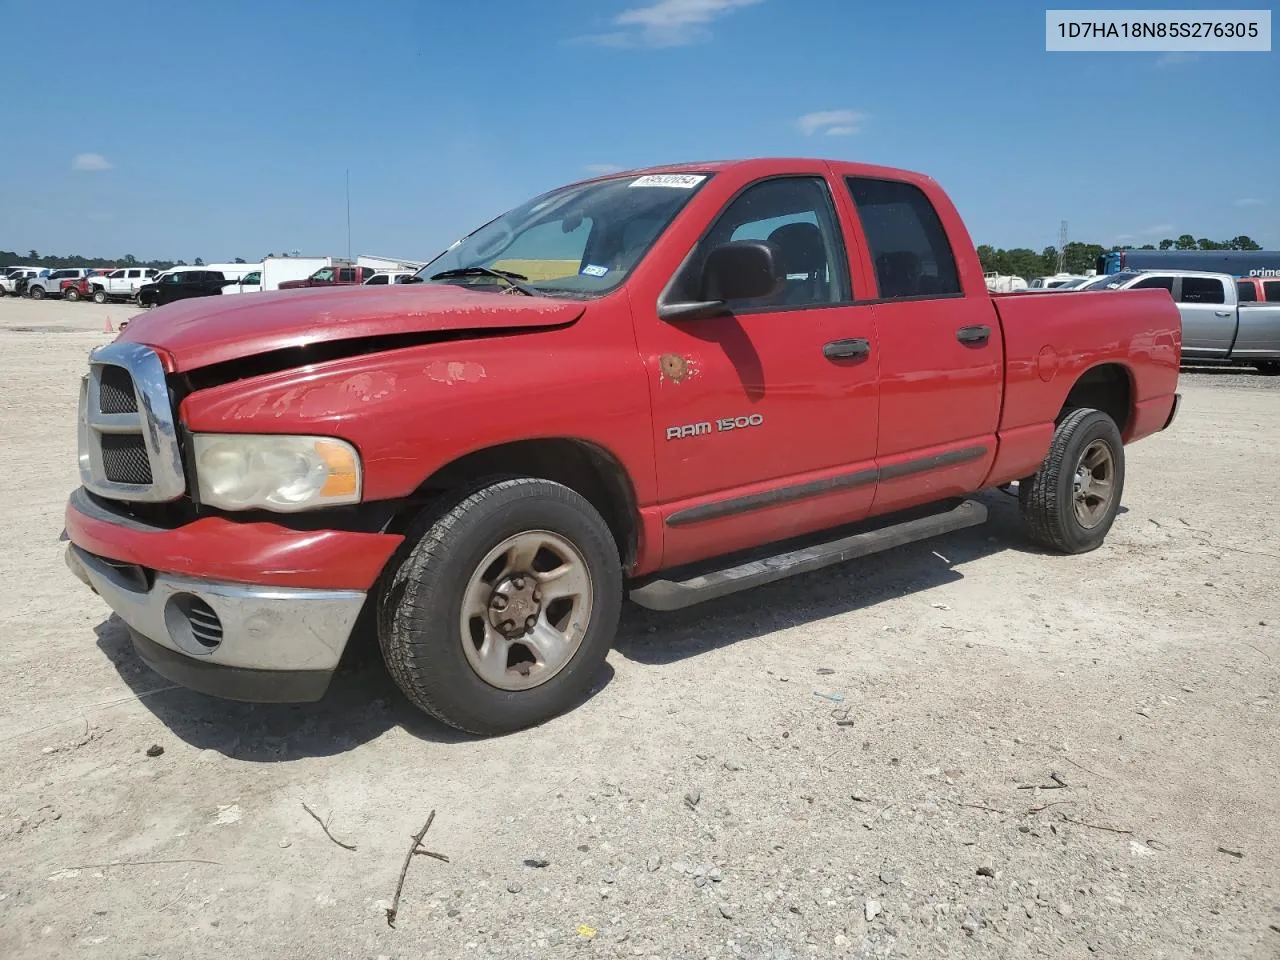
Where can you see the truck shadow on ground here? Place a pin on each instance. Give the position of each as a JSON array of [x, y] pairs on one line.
[[654, 638], [363, 702]]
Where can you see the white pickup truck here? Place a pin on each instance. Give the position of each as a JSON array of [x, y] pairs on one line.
[[1216, 325], [120, 284], [10, 280]]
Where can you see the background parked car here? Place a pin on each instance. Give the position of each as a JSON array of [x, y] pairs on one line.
[[15, 280], [332, 276], [49, 283], [383, 277], [181, 283], [122, 284]]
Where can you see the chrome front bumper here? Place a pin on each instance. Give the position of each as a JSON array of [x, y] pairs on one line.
[[222, 630]]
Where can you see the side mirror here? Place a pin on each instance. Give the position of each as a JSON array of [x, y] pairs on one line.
[[738, 270]]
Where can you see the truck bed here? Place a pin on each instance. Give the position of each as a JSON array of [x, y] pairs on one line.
[[1050, 340]]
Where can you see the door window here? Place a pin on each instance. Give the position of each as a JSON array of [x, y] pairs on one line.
[[1154, 283], [347, 274], [796, 216], [908, 244], [1245, 291], [1203, 290], [1271, 291], [377, 280]]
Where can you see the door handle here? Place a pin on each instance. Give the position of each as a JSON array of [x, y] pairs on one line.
[[857, 349], [1222, 313], [975, 335]]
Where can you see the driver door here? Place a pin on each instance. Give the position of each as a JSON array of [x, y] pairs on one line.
[[765, 418]]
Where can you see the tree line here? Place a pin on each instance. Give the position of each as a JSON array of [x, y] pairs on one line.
[[1018, 261], [1079, 257], [53, 261]]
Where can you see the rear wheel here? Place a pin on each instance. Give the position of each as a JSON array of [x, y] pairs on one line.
[[1072, 500], [503, 611], [71, 294], [1269, 368], [99, 295]]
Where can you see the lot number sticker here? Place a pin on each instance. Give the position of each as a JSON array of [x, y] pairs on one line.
[[682, 181]]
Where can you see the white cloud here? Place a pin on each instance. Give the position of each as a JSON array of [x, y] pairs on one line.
[[1250, 202], [90, 161], [666, 23], [834, 123], [1157, 230], [600, 169], [1176, 58]]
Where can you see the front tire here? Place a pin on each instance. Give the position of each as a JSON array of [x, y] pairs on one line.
[[1070, 503], [36, 293], [1268, 368], [504, 610], [99, 295]]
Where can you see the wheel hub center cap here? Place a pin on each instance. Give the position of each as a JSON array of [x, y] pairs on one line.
[[515, 605]]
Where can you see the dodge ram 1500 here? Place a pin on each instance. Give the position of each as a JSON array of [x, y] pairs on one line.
[[667, 384]]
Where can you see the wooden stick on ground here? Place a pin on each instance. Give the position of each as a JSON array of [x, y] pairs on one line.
[[325, 827], [415, 847]]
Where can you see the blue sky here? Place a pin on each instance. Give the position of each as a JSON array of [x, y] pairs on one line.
[[222, 130]]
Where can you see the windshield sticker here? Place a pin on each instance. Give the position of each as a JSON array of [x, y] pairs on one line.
[[682, 181], [592, 270]]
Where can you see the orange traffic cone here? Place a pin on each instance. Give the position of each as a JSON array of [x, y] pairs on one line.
[[106, 326]]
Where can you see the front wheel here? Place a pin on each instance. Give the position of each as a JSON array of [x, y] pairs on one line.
[[36, 293], [99, 295], [1268, 368], [504, 609], [1072, 500]]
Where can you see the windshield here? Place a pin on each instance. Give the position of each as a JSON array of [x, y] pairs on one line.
[[1110, 281], [578, 241]]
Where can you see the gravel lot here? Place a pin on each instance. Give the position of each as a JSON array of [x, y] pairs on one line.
[[1033, 754]]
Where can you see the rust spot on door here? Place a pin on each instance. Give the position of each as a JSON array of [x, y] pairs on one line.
[[674, 367]]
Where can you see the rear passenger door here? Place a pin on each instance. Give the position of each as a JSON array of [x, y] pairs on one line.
[[940, 353], [1208, 319]]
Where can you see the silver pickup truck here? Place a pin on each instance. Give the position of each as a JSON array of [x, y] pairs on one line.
[[1216, 325]]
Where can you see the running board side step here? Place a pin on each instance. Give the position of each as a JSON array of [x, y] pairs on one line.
[[674, 595]]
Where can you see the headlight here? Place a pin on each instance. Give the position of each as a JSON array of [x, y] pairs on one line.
[[265, 472]]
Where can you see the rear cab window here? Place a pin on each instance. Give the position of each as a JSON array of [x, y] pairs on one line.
[[1202, 290], [909, 247], [1271, 291]]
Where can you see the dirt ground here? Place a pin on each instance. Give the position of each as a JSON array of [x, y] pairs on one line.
[[1033, 754]]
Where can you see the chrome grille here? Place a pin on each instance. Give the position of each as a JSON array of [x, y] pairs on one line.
[[116, 391], [124, 458], [128, 441]]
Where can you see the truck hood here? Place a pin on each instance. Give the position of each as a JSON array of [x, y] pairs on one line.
[[207, 330]]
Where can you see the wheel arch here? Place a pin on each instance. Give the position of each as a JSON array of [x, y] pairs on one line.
[[1108, 387], [587, 468]]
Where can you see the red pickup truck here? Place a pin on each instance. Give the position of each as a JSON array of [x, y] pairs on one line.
[[668, 384], [335, 276]]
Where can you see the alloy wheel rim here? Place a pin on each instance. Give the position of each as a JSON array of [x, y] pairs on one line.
[[1093, 487], [525, 610]]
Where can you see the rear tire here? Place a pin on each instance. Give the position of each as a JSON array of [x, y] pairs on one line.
[[71, 295], [1268, 368], [523, 548], [99, 295], [1070, 503]]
